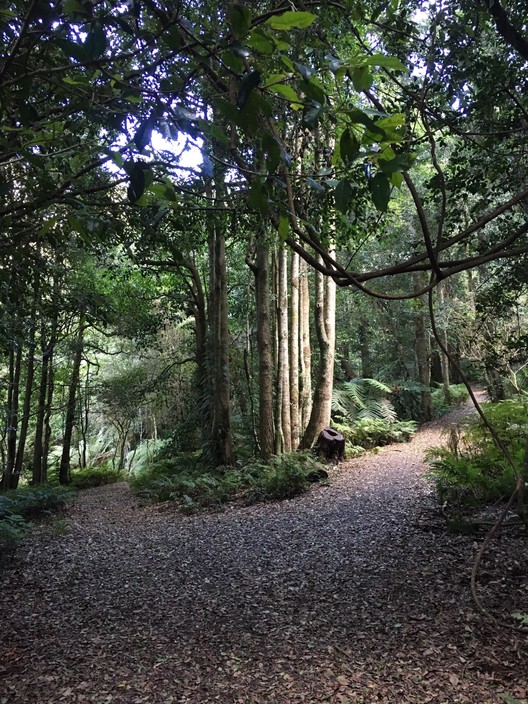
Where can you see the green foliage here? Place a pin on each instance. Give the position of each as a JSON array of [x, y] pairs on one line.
[[19, 505], [33, 502], [184, 480], [458, 394], [360, 399], [369, 433], [94, 476], [472, 470]]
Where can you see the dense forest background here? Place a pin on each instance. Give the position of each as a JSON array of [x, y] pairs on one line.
[[219, 219]]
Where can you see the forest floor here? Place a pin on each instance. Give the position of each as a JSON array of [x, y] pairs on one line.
[[353, 593]]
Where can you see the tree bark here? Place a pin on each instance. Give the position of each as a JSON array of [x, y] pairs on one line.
[[325, 301], [265, 349], [10, 478], [422, 350], [444, 360], [305, 392], [283, 358], [64, 467], [294, 351]]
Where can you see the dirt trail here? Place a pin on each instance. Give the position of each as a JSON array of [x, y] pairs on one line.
[[342, 595]]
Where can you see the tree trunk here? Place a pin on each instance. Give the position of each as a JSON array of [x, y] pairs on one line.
[[325, 301], [305, 394], [443, 337], [10, 478], [364, 348], [265, 350], [221, 432], [422, 350], [64, 467], [283, 350], [294, 351]]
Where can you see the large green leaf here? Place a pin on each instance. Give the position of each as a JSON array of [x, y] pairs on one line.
[[343, 196], [292, 20], [380, 189], [349, 147], [240, 20], [248, 83]]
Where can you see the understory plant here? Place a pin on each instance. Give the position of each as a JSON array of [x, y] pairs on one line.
[[185, 480], [471, 470], [368, 433], [21, 505], [458, 394], [95, 476]]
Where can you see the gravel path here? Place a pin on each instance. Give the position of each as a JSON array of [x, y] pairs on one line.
[[352, 593]]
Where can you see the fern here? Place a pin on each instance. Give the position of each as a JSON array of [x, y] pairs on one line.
[[361, 399]]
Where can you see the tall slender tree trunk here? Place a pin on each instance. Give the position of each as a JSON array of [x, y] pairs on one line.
[[325, 302], [64, 467], [444, 360], [10, 478], [305, 381], [265, 349], [364, 349], [294, 350], [283, 350], [422, 350], [221, 431]]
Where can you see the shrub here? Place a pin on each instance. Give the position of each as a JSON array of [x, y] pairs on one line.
[[374, 432], [458, 393], [472, 470], [95, 476], [283, 477], [183, 479], [34, 501]]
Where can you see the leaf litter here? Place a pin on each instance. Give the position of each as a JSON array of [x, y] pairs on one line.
[[343, 595]]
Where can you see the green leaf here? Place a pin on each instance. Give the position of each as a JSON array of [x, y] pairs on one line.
[[73, 7], [312, 114], [316, 186], [402, 162], [390, 62], [172, 38], [95, 44], [362, 78], [349, 147], [286, 92], [343, 196], [258, 41], [248, 83], [360, 118], [380, 189], [144, 132], [140, 178], [239, 19], [258, 197], [314, 90], [291, 20], [71, 49], [272, 149], [396, 179], [284, 227]]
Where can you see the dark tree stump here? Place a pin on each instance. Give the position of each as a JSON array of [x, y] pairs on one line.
[[330, 445]]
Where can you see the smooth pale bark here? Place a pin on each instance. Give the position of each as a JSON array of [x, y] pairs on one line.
[[444, 360], [305, 380], [26, 408], [265, 350], [294, 350], [221, 431], [283, 350], [422, 350], [325, 306], [64, 466]]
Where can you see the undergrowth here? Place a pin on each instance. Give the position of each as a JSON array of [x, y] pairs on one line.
[[471, 470], [458, 394], [184, 479], [95, 476], [368, 433], [19, 506]]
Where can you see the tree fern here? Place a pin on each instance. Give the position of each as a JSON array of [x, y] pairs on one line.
[[362, 398]]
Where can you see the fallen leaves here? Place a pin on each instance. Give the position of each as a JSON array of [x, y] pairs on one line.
[[336, 596]]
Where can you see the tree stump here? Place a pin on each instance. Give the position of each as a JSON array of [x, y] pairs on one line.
[[330, 445]]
